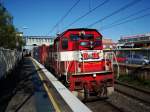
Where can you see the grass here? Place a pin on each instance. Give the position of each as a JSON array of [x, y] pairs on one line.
[[136, 82]]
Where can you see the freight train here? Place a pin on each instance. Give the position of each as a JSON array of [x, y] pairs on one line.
[[77, 59]]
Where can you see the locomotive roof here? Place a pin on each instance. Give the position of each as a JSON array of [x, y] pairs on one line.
[[85, 29], [78, 29]]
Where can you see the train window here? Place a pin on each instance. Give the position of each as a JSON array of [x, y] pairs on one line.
[[64, 43], [84, 43], [97, 43], [98, 38], [87, 36], [74, 37]]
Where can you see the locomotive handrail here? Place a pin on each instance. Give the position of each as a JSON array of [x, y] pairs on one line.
[[63, 93], [113, 57], [125, 49], [85, 73]]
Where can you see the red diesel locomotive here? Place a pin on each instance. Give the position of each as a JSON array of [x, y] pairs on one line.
[[77, 59]]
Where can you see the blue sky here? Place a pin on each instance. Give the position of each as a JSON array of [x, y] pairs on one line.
[[39, 16]]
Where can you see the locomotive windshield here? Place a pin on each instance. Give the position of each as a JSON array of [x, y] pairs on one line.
[[87, 40], [88, 44], [74, 37], [87, 36], [84, 44], [77, 37]]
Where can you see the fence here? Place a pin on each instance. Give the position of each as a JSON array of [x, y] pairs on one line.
[[141, 71], [124, 52], [8, 60]]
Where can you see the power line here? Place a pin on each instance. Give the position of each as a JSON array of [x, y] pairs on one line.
[[115, 12], [89, 5], [124, 18], [129, 20], [79, 18], [63, 17]]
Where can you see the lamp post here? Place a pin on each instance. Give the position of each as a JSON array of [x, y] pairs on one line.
[[20, 38], [24, 28]]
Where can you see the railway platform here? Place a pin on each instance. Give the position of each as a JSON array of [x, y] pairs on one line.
[[27, 89], [22, 91]]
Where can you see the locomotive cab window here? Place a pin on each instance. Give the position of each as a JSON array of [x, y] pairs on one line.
[[87, 36], [99, 38], [84, 43], [74, 37], [64, 43], [97, 43]]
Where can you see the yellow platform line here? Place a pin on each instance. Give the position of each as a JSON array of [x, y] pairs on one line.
[[57, 108]]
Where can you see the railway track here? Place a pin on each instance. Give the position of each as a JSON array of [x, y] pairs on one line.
[[105, 105], [126, 98], [133, 92], [117, 103], [133, 87]]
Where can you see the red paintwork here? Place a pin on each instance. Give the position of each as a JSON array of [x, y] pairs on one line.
[[121, 59], [92, 66], [87, 79], [75, 45], [87, 67], [44, 50], [95, 55]]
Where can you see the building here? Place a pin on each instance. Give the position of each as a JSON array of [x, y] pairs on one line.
[[108, 43], [31, 41], [135, 41]]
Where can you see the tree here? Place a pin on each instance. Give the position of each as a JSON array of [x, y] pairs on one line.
[[8, 37]]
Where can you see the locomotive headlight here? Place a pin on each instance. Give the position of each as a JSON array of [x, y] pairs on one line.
[[94, 75]]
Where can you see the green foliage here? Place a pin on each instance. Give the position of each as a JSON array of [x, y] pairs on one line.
[[8, 37]]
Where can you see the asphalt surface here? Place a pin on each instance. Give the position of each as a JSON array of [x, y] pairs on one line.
[[23, 91]]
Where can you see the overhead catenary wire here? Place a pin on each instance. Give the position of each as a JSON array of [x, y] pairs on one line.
[[115, 12], [84, 15], [125, 18], [130, 20], [89, 5], [63, 17]]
